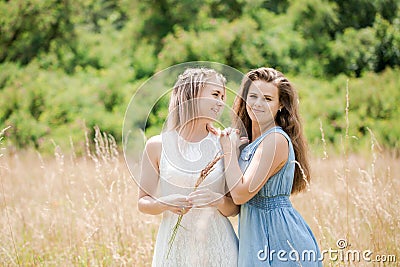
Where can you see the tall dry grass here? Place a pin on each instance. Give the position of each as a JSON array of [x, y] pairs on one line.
[[364, 211], [69, 211], [352, 204]]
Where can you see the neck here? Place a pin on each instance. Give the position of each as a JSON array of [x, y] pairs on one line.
[[193, 131], [257, 129]]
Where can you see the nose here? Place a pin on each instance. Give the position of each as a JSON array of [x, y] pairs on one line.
[[220, 102], [258, 103]]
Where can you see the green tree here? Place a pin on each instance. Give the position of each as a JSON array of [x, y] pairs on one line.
[[388, 48], [29, 27], [352, 52]]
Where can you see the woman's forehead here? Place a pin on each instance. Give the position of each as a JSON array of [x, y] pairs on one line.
[[214, 83], [263, 88]]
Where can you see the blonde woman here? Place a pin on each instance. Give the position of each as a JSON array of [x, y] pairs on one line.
[[171, 165]]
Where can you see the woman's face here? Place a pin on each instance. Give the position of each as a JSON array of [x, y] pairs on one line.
[[211, 99], [262, 102]]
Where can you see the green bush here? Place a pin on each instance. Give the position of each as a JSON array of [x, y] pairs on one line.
[[66, 67]]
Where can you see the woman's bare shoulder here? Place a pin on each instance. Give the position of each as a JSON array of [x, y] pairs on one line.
[[276, 142], [153, 145]]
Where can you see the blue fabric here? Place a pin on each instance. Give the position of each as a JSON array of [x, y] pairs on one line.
[[271, 231]]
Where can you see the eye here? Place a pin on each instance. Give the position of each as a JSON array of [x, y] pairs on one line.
[[268, 99], [252, 96]]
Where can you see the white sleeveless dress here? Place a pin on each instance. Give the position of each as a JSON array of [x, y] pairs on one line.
[[206, 237]]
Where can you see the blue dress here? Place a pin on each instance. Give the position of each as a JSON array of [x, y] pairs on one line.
[[271, 231]]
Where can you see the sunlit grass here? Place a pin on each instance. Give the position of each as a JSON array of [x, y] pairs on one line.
[[67, 211]]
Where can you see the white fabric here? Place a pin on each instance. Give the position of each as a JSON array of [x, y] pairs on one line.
[[206, 237]]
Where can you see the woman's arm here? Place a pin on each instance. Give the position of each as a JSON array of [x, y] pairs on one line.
[[149, 178], [227, 207], [269, 158], [206, 198]]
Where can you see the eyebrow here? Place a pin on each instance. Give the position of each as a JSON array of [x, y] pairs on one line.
[[270, 96], [218, 91]]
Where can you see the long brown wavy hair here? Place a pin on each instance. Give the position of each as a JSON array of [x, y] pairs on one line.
[[288, 118]]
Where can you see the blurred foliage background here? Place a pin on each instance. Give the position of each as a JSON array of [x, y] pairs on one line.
[[66, 66]]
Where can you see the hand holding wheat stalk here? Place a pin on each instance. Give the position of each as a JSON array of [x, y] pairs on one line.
[[203, 174]]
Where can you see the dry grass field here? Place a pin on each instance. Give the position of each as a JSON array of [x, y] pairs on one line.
[[65, 210]]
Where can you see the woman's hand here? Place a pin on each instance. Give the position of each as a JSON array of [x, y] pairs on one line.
[[232, 133], [230, 139], [176, 203], [205, 198], [212, 129]]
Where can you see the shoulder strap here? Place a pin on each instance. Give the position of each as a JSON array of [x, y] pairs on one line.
[[272, 130], [276, 129]]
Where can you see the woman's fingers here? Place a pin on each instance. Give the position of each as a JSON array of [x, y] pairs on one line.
[[177, 203], [176, 200], [200, 193], [232, 130], [243, 140], [181, 210], [180, 204], [212, 129], [229, 130], [203, 198], [197, 197]]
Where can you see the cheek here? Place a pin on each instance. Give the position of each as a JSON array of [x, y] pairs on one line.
[[272, 111], [249, 103], [273, 105], [204, 101]]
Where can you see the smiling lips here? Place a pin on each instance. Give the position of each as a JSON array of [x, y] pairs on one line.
[[256, 110]]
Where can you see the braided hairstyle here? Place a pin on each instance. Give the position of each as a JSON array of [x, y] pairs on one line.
[[182, 107]]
